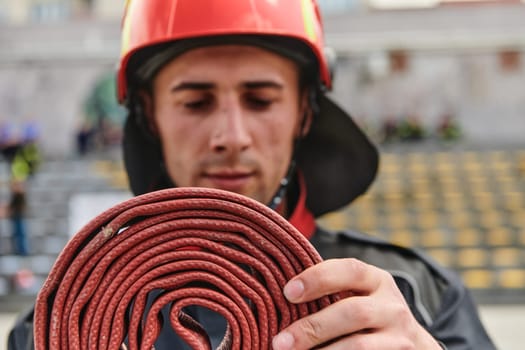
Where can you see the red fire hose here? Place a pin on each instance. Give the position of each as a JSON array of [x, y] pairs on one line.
[[189, 246]]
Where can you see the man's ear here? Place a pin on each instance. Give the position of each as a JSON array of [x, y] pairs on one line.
[[148, 112], [306, 114]]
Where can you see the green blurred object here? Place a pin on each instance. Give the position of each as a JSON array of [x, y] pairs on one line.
[[449, 129], [26, 162], [103, 116], [102, 105]]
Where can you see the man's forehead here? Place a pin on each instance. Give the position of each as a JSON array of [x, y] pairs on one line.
[[248, 66]]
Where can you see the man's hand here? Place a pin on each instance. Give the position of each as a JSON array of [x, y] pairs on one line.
[[376, 316]]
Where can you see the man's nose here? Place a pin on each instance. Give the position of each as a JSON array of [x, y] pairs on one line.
[[231, 132]]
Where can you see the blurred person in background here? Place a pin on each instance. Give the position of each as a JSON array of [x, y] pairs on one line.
[[231, 95], [19, 146], [16, 212], [448, 128], [84, 138], [27, 159], [10, 141], [389, 130], [411, 129]]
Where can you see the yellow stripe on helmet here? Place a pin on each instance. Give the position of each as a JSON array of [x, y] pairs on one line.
[[309, 18], [126, 28]]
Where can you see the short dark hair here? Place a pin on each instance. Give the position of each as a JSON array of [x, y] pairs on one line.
[[144, 64]]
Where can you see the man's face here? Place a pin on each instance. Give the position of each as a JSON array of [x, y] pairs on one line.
[[227, 117]]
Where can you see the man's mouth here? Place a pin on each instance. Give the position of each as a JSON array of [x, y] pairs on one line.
[[229, 180]]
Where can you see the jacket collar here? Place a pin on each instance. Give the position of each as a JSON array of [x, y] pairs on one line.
[[302, 218]]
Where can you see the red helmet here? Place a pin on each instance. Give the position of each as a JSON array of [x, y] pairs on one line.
[[337, 160], [152, 22]]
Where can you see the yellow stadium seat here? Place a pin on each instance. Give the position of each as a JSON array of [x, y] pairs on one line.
[[482, 200], [478, 278], [366, 223], [434, 238], [490, 218], [514, 200], [404, 238], [336, 220], [397, 220], [472, 257], [427, 220], [499, 237], [473, 167], [506, 257], [468, 237], [512, 278], [444, 256]]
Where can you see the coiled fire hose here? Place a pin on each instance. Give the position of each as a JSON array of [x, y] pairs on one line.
[[197, 246]]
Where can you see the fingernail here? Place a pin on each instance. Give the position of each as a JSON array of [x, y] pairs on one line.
[[294, 290], [283, 341]]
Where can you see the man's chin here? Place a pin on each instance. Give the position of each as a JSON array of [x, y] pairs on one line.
[[246, 193]]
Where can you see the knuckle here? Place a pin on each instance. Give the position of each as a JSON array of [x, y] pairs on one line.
[[408, 345], [387, 277], [403, 313], [364, 313], [356, 267], [321, 276], [312, 330]]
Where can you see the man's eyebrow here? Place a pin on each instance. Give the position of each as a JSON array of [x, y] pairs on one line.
[[192, 86], [262, 84], [189, 85]]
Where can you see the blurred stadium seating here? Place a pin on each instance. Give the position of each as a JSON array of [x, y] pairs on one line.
[[466, 208]]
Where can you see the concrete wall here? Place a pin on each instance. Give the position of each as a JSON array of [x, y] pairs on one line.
[[47, 70], [488, 102], [51, 96]]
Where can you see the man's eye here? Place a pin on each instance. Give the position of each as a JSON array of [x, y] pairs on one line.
[[198, 104], [259, 103]]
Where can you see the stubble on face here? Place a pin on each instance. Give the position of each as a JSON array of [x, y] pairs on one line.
[[227, 117]]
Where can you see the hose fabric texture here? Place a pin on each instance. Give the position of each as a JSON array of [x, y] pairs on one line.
[[185, 246]]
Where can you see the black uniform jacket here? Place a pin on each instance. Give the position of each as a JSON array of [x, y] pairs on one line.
[[436, 296]]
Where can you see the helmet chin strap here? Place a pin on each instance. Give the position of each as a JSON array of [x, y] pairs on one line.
[[283, 186], [287, 179]]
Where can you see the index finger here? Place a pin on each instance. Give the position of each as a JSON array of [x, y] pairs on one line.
[[333, 276]]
